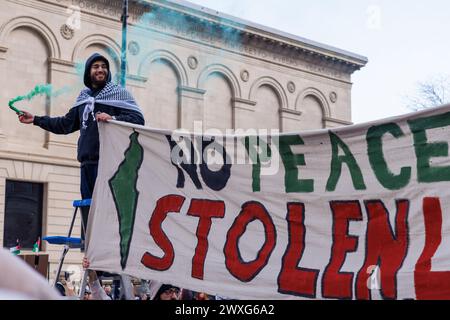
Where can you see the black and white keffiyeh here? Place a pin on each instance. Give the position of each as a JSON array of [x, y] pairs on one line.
[[111, 95]]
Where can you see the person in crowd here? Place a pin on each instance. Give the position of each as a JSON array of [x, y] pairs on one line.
[[96, 291], [168, 292]]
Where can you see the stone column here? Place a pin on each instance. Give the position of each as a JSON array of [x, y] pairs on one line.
[[243, 114], [290, 120], [191, 107], [137, 86]]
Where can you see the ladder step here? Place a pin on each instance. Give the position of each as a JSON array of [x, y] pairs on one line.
[[82, 203], [69, 241]]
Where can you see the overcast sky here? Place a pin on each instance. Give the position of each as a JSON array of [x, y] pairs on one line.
[[405, 41]]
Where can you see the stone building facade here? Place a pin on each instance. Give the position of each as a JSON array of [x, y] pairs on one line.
[[185, 64]]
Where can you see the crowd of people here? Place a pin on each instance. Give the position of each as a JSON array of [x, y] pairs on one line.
[[154, 290], [105, 292], [25, 283], [165, 292]]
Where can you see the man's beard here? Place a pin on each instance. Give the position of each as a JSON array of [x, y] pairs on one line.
[[99, 83]]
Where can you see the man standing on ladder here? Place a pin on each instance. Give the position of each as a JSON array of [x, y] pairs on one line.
[[100, 101]]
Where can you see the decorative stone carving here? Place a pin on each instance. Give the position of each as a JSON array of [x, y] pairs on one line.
[[192, 62], [291, 87], [333, 97], [245, 75], [134, 48], [3, 53], [67, 32]]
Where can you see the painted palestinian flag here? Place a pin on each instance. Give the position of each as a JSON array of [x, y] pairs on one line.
[[15, 250], [37, 245]]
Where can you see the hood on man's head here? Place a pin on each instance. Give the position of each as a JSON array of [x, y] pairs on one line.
[[87, 69]]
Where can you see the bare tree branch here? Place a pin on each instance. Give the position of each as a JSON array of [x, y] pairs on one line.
[[431, 93]]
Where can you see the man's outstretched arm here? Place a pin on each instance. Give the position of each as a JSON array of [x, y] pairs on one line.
[[58, 125]]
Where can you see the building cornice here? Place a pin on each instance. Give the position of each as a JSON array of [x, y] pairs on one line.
[[312, 50], [247, 38], [247, 32]]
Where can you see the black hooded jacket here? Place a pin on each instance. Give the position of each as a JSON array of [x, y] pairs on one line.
[[88, 143]]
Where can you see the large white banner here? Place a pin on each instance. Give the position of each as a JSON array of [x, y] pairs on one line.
[[358, 212]]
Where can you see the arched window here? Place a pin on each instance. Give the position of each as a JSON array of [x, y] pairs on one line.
[[218, 110], [268, 105], [312, 113], [160, 102], [26, 66]]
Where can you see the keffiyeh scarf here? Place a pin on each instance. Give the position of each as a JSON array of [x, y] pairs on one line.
[[111, 95]]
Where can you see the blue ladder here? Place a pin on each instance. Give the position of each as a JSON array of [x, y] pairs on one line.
[[69, 242], [77, 243]]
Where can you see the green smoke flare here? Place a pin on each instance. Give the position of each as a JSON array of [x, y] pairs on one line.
[[46, 89]]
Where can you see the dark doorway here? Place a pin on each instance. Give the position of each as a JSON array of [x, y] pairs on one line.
[[23, 213]]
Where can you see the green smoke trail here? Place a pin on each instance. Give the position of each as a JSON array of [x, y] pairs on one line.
[[46, 89], [79, 69], [219, 32]]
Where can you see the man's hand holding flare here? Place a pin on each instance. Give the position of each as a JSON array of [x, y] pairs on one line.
[[26, 117]]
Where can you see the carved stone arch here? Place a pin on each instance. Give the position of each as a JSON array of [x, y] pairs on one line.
[[225, 72], [316, 94], [169, 57], [274, 84], [35, 24], [100, 39]]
